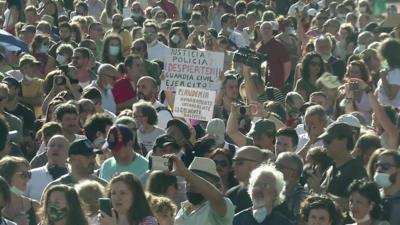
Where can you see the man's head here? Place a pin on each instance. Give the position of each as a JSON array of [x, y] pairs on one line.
[[147, 88], [117, 21], [263, 132], [28, 66], [107, 75], [57, 150], [96, 128], [31, 16], [179, 130], [82, 156], [134, 67], [81, 58], [315, 120], [120, 140], [365, 146], [323, 46], [266, 185], [65, 31], [150, 33], [67, 116], [230, 87], [14, 88], [228, 22], [165, 144], [144, 114], [338, 140], [291, 165], [205, 168], [353, 122], [96, 31], [364, 39], [93, 94], [266, 31], [28, 33], [286, 140], [81, 9], [387, 169], [139, 47], [246, 159], [50, 129]]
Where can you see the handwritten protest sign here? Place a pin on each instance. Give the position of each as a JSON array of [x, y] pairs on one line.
[[192, 68], [194, 103]]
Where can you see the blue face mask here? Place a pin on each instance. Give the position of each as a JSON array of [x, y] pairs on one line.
[[44, 48], [113, 50], [60, 59], [382, 179]]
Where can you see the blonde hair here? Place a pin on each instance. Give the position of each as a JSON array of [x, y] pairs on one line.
[[160, 204], [89, 191]]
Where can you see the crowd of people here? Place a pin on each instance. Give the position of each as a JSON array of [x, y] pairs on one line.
[[305, 126]]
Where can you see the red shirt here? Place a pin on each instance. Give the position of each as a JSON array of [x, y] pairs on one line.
[[169, 8], [123, 90], [277, 56]]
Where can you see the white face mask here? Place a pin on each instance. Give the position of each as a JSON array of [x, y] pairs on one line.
[[175, 39], [361, 47], [229, 30], [259, 214], [44, 48], [113, 50], [366, 218], [382, 179], [60, 59]]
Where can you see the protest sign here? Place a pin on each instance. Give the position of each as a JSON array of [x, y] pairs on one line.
[[194, 103], [193, 69]]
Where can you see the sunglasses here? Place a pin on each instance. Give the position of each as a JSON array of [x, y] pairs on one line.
[[384, 166], [221, 163], [25, 174]]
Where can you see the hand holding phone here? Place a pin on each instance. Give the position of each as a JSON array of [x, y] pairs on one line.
[[105, 205]]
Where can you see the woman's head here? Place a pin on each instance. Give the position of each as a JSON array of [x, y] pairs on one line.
[[40, 44], [160, 183], [112, 48], [176, 38], [89, 192], [364, 200], [144, 113], [389, 51], [357, 69], [223, 161], [312, 65], [127, 197], [62, 202], [320, 210], [15, 170]]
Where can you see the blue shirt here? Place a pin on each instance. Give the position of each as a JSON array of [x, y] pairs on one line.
[[110, 167]]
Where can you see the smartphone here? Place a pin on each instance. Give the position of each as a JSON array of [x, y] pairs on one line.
[[105, 205], [160, 163], [244, 110]]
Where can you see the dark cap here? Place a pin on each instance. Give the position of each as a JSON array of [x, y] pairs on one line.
[[28, 28], [118, 136], [262, 126], [83, 147], [181, 125], [27, 59], [11, 81], [337, 130], [165, 140]]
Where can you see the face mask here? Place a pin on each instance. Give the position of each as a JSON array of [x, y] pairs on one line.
[[60, 59], [113, 50], [56, 213], [362, 220], [136, 15], [108, 87], [28, 78], [194, 198], [361, 47], [382, 180], [229, 30], [44, 48], [175, 39], [16, 191], [259, 214]]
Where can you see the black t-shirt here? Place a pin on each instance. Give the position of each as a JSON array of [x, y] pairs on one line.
[[239, 197], [337, 180], [26, 115]]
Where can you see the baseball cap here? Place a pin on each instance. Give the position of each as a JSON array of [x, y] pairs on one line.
[[118, 136], [28, 28], [349, 120], [11, 81], [204, 165], [27, 59], [337, 130], [83, 147], [165, 140], [216, 127], [252, 153], [128, 22], [181, 125], [262, 126]]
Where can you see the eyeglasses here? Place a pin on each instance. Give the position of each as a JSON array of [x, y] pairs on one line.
[[221, 163], [384, 166], [25, 174]]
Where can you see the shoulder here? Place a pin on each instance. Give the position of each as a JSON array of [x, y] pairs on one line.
[[8, 222], [233, 190]]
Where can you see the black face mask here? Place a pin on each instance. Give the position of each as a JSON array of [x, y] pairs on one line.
[[194, 198], [57, 171]]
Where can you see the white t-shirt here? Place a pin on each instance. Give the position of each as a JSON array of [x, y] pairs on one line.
[[393, 78], [38, 182], [157, 51], [148, 139], [238, 39], [163, 115]]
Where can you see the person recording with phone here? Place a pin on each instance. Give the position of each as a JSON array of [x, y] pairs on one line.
[[128, 202]]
